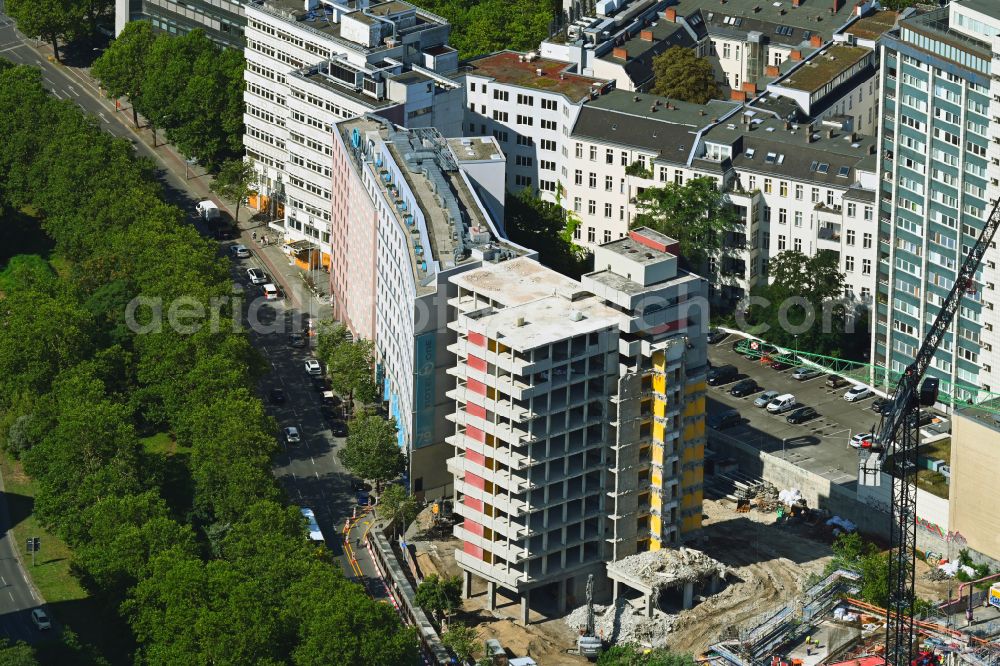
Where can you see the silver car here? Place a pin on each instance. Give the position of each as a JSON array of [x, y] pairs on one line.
[[764, 398]]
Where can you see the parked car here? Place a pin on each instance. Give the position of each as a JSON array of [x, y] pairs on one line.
[[270, 292], [857, 392], [779, 364], [357, 485], [725, 419], [835, 381], [292, 435], [276, 396], [338, 428], [364, 499], [715, 336], [921, 419], [240, 251], [256, 276], [881, 405], [744, 387], [801, 415], [40, 619], [313, 367], [297, 340], [781, 404], [722, 375], [320, 383], [863, 440], [802, 373], [330, 399], [765, 398]]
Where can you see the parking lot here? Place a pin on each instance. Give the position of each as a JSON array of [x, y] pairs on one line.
[[820, 445]]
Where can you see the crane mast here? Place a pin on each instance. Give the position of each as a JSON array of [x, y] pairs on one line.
[[899, 434]]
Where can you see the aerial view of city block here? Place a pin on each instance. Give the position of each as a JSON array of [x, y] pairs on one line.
[[499, 332]]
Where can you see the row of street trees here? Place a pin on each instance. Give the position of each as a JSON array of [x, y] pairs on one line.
[[191, 550], [186, 85], [55, 20]]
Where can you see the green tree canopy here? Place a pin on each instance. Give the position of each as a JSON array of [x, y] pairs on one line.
[[51, 20], [679, 73], [397, 506], [349, 364], [546, 227], [440, 596], [630, 655], [371, 451], [486, 26], [798, 289], [696, 214], [122, 67], [236, 180], [463, 640]]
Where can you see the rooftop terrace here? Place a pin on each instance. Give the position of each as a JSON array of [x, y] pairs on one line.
[[548, 320], [516, 282], [874, 25], [514, 69], [825, 67]]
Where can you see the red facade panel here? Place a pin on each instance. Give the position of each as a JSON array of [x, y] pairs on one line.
[[477, 363], [477, 339], [476, 387], [475, 410]]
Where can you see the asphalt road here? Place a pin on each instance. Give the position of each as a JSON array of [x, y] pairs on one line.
[[309, 471], [17, 597], [820, 445]]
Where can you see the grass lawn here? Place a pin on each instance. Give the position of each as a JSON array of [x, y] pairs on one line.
[[940, 450], [169, 462], [67, 600], [932, 482]]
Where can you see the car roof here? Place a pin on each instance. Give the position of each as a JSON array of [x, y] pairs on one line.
[[784, 396], [859, 387]]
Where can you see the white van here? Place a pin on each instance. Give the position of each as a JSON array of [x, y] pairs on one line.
[[207, 210], [781, 404], [270, 292]]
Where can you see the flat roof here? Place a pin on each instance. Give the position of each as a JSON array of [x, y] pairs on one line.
[[516, 282], [635, 251], [874, 25], [547, 320], [511, 68], [475, 148], [988, 7], [314, 74], [825, 67]]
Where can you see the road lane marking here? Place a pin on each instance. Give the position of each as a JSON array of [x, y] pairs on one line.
[[11, 594], [313, 460]]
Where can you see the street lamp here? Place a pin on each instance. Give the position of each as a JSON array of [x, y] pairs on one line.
[[189, 163]]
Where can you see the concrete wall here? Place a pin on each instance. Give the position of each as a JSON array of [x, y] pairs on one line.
[[974, 469]]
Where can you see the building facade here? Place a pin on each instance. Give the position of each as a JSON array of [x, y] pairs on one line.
[[426, 224], [223, 21], [579, 416], [937, 124]]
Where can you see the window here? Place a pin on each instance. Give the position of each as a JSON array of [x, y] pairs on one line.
[[624, 158], [781, 242], [607, 235], [607, 210], [783, 189], [798, 244], [500, 136], [664, 173], [866, 241], [578, 177], [609, 156], [547, 165], [525, 120], [782, 216], [526, 100], [500, 116], [592, 180], [590, 233], [579, 150], [576, 232], [501, 95], [829, 197], [751, 183], [609, 183], [592, 208], [593, 153], [849, 264], [577, 207], [547, 185], [798, 192], [547, 144], [866, 266], [547, 124], [852, 210], [525, 140], [767, 186], [850, 237], [549, 104], [523, 161], [798, 218], [522, 181], [815, 195]]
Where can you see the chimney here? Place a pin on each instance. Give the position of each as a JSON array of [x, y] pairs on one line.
[[745, 119], [539, 71], [871, 149], [670, 13], [750, 88], [796, 3], [816, 41], [756, 9], [837, 4], [829, 133], [619, 52], [636, 98], [771, 70], [652, 109], [788, 125], [795, 55], [859, 9], [646, 35], [738, 96]]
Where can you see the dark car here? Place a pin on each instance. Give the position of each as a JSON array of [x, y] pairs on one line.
[[722, 375], [744, 387], [835, 381], [338, 428], [881, 405], [364, 499], [715, 336], [276, 396], [320, 383], [725, 419], [779, 365], [924, 418], [357, 485], [801, 415]]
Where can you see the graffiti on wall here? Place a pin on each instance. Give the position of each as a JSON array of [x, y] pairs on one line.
[[954, 537]]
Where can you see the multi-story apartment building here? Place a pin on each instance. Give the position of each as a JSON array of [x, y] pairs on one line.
[[408, 217], [223, 21], [311, 65], [579, 416], [796, 187], [528, 103], [938, 182]]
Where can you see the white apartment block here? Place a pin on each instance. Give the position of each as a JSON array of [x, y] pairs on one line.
[[428, 224], [528, 104], [579, 417], [310, 65]]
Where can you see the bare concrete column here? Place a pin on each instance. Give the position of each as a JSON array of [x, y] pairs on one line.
[[688, 595], [525, 601], [614, 592], [466, 584], [564, 588], [649, 605], [491, 595], [713, 586]]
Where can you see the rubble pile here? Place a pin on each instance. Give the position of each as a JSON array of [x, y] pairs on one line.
[[625, 622], [668, 566]]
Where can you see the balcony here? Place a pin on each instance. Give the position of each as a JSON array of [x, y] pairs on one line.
[[830, 232]]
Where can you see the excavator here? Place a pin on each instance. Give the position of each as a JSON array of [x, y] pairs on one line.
[[588, 644]]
